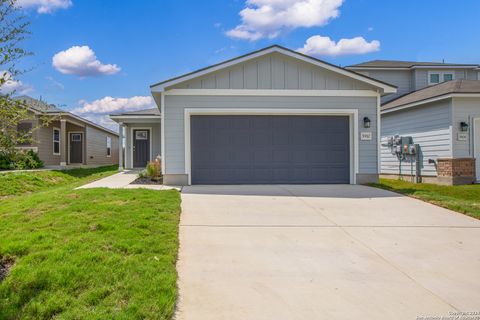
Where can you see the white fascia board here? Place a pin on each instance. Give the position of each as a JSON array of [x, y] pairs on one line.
[[386, 88], [444, 67], [273, 92], [376, 68]]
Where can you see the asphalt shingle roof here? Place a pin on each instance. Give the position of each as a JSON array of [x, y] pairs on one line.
[[39, 105], [404, 64], [145, 112], [449, 87]]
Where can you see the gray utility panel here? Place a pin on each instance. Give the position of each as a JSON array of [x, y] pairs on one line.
[[270, 149]]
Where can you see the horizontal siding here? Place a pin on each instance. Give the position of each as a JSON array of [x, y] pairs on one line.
[[155, 136], [174, 121], [96, 150], [429, 126], [464, 109], [274, 71]]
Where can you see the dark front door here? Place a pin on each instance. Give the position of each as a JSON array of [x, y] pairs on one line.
[[141, 147], [270, 149], [76, 147]]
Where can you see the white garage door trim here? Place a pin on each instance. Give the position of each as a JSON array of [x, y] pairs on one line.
[[352, 113]]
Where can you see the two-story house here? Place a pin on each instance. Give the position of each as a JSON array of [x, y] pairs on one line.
[[438, 105]]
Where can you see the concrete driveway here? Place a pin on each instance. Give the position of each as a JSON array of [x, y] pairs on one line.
[[323, 252]]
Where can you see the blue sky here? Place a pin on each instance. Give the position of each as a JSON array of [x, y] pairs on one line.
[[138, 43]]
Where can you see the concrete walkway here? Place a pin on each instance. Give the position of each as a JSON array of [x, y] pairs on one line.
[[322, 252], [123, 180]]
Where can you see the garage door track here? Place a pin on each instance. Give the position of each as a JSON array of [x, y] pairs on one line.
[[323, 252]]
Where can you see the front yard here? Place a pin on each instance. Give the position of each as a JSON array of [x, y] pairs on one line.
[[86, 254], [464, 199]]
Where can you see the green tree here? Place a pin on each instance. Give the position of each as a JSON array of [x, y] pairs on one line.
[[13, 31]]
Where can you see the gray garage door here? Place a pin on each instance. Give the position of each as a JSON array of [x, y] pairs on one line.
[[270, 149]]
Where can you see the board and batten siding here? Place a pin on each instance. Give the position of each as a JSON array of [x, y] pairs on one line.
[[155, 135], [274, 71], [429, 125], [96, 147], [464, 109], [175, 113]]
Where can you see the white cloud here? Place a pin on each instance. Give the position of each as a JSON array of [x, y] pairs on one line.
[[83, 62], [324, 46], [98, 110], [11, 85], [45, 6], [269, 18]]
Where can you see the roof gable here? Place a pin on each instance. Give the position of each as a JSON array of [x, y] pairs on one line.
[[287, 69]]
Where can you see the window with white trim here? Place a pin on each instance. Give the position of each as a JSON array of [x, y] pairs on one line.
[[109, 146], [435, 77], [56, 141]]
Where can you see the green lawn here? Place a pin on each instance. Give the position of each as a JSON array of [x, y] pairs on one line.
[[464, 199], [86, 254]]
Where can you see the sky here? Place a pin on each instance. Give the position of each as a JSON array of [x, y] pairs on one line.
[[96, 58]]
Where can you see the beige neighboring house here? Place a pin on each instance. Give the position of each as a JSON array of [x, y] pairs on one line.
[[69, 140]]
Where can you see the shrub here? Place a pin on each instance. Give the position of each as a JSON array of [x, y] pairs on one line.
[[21, 160], [154, 169]]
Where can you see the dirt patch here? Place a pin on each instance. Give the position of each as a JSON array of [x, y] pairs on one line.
[[5, 265], [148, 181]]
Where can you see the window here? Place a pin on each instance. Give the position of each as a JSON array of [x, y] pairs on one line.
[[141, 135], [76, 137], [24, 131], [109, 146], [56, 141], [437, 77]]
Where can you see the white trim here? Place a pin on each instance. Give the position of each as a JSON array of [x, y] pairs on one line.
[[53, 141], [132, 142], [446, 96], [162, 132], [69, 133], [413, 67], [441, 75], [379, 136], [132, 117], [475, 151], [161, 87], [377, 68], [352, 113], [279, 92]]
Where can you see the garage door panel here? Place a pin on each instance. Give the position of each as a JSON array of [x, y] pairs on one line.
[[269, 149]]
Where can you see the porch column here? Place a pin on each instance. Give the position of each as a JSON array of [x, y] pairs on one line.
[[63, 142], [120, 146]]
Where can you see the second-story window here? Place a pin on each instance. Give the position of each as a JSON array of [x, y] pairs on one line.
[[437, 77]]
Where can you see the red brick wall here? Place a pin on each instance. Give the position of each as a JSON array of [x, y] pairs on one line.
[[460, 167]]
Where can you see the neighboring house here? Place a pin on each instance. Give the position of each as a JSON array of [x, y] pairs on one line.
[[68, 140], [271, 116], [439, 107], [410, 76]]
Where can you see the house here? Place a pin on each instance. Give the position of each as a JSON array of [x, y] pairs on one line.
[[270, 116], [64, 140], [438, 105]]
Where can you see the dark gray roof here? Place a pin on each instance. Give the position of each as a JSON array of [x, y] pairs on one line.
[[38, 105], [405, 64], [145, 112], [438, 90]]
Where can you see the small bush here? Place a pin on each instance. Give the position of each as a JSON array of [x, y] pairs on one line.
[[21, 160], [154, 169]]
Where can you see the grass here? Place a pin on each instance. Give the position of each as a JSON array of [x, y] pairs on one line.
[[86, 254], [464, 199]]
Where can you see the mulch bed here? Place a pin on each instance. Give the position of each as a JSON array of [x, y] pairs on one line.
[[148, 181], [5, 266]]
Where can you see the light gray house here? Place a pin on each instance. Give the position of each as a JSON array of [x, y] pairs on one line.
[[64, 140], [271, 116], [438, 105]]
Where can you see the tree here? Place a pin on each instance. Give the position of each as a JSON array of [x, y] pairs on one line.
[[13, 31]]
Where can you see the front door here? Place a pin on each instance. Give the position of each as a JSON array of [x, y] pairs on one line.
[[476, 141], [76, 148], [141, 147]]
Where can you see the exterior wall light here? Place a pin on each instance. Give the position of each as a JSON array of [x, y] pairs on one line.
[[463, 126], [366, 122]]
